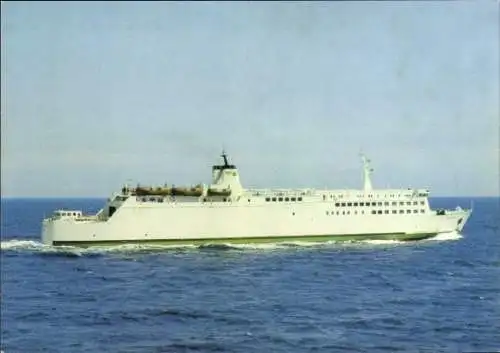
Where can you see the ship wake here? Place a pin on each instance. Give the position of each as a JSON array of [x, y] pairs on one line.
[[32, 246]]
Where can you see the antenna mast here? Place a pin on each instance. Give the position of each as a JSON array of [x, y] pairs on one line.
[[367, 171]]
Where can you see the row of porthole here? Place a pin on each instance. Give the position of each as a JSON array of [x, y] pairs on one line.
[[367, 204], [377, 196], [68, 214], [151, 199], [283, 193], [285, 199], [331, 213], [396, 211], [160, 200]]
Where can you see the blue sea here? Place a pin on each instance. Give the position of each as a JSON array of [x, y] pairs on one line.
[[436, 295]]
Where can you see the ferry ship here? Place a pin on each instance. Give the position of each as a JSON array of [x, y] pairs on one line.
[[225, 212]]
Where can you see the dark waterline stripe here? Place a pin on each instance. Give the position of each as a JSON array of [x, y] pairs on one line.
[[272, 239]]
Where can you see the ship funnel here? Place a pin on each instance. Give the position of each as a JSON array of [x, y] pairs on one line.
[[226, 176]]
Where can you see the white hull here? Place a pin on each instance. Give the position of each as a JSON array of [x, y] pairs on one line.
[[137, 222]]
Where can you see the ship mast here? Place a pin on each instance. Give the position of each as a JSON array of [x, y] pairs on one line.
[[367, 171], [224, 155]]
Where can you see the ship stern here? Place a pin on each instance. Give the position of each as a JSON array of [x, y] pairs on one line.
[[47, 231]]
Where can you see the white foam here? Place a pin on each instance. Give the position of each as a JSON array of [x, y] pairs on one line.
[[446, 236], [310, 244], [20, 244], [35, 246], [281, 245], [139, 247]]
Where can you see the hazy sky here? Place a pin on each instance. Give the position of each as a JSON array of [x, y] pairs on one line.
[[98, 94]]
